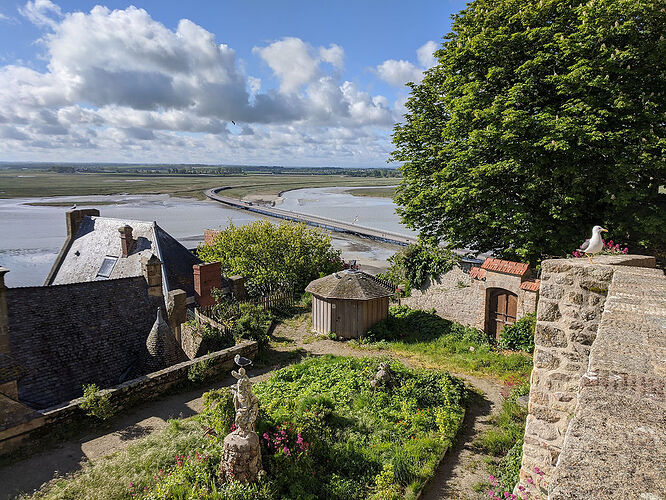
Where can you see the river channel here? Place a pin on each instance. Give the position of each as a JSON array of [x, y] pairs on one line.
[[32, 235]]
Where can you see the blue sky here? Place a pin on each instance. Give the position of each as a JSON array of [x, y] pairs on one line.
[[307, 83]]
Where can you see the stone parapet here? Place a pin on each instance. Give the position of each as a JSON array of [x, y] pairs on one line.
[[574, 297]]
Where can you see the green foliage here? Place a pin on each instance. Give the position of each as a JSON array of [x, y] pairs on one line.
[[355, 442], [273, 257], [541, 119], [218, 411], [252, 324], [416, 263], [212, 339], [443, 344], [96, 403], [200, 371], [520, 335], [504, 440]]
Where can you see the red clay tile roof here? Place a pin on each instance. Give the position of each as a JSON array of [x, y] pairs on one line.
[[531, 285], [477, 273], [505, 266]]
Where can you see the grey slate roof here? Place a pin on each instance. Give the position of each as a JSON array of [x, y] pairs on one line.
[[349, 284], [65, 336], [98, 238]]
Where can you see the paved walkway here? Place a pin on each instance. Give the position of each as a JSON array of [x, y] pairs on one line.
[[454, 478]]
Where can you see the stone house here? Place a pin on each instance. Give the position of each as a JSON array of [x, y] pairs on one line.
[[487, 297]]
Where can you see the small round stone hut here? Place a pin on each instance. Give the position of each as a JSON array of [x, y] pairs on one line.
[[348, 303]]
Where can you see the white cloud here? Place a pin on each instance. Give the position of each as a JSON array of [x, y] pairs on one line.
[[124, 85], [398, 73], [41, 12], [425, 54]]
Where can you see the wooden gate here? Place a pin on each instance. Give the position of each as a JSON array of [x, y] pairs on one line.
[[502, 308]]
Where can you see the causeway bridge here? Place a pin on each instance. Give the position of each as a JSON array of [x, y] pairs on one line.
[[311, 220]]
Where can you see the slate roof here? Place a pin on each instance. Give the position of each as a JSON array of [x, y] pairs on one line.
[[9, 369], [98, 237], [65, 336], [505, 266], [350, 284]]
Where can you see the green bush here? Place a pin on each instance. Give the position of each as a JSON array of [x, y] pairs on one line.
[[418, 262], [273, 257], [200, 371], [520, 335], [219, 411], [252, 323], [96, 404]]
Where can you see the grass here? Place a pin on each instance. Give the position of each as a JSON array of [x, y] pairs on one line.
[[383, 192], [353, 441], [15, 184], [438, 343]]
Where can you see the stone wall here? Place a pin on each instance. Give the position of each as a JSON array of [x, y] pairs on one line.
[[573, 293], [122, 396], [454, 296]]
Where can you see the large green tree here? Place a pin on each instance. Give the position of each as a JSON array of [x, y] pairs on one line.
[[541, 119], [273, 257]]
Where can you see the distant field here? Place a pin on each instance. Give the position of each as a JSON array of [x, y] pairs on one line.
[[383, 192], [29, 184]]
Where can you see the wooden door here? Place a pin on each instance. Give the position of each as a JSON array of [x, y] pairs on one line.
[[502, 308]]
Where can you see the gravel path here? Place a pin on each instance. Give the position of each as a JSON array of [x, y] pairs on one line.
[[460, 470]]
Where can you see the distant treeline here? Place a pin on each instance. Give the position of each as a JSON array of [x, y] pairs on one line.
[[171, 169]]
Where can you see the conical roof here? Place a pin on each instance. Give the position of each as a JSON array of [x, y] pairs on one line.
[[350, 284], [161, 344]]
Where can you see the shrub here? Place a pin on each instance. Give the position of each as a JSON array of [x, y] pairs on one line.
[[212, 339], [417, 263], [200, 371], [520, 335], [252, 323], [219, 411], [273, 257], [96, 404]]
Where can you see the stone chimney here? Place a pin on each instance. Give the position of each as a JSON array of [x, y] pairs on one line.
[[237, 287], [151, 268], [10, 371], [177, 311], [74, 219], [161, 344], [126, 240], [206, 277]]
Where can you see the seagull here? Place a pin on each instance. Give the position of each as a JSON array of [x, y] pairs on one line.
[[241, 361], [73, 207], [595, 244]]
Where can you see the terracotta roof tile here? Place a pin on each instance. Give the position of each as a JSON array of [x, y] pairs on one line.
[[531, 285], [477, 273], [505, 266]]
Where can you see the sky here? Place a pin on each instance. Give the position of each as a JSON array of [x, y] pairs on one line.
[[254, 82]]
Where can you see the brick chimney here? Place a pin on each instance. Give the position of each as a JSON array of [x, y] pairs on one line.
[[74, 219], [151, 268], [126, 240], [206, 277]]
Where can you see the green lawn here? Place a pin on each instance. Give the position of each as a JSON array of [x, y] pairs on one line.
[[438, 343], [34, 183]]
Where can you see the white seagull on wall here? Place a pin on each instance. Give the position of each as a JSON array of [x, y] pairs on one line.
[[595, 244]]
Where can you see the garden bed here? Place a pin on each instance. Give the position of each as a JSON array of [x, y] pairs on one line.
[[325, 433]]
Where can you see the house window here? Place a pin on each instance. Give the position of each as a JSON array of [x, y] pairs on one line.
[[106, 267]]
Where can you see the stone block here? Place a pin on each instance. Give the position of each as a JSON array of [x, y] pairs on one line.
[[551, 291], [549, 336], [540, 429], [545, 359], [548, 310]]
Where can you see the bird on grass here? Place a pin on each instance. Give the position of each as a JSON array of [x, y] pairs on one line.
[[595, 244]]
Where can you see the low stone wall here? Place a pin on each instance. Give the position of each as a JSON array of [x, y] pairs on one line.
[[124, 395], [578, 334]]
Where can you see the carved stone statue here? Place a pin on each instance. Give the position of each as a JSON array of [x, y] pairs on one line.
[[241, 456]]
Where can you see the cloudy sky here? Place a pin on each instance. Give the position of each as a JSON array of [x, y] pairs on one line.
[[307, 83]]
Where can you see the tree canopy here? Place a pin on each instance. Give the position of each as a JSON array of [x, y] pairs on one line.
[[272, 257], [541, 119]]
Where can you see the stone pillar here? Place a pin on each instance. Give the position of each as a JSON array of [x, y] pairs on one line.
[[75, 217], [151, 268], [177, 311], [571, 300], [237, 287], [9, 370], [206, 277]]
